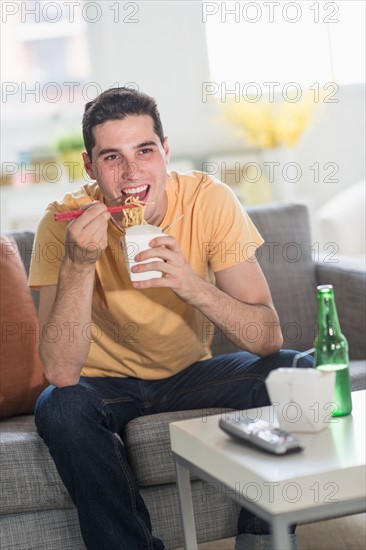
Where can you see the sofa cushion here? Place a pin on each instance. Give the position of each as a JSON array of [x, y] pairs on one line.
[[30, 481], [21, 375], [56, 529], [147, 442]]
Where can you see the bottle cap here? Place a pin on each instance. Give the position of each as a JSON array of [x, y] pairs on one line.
[[324, 289]]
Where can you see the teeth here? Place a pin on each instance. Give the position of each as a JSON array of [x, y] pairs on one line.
[[132, 191]]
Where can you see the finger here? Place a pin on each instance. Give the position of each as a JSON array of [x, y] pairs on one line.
[[162, 282], [162, 252], [94, 230], [92, 210], [89, 204], [166, 269], [99, 221], [167, 241]]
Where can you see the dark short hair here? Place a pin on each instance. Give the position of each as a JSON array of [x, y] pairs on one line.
[[116, 104]]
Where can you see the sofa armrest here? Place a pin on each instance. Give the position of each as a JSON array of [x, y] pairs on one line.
[[349, 282]]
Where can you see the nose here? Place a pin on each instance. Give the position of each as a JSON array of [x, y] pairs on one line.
[[130, 171]]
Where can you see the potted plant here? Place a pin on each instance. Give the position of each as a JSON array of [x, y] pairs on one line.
[[70, 147]]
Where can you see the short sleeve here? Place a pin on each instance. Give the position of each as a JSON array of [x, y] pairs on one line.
[[48, 251], [231, 236], [49, 247]]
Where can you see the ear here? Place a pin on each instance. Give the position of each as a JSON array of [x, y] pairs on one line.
[[88, 165], [166, 149]]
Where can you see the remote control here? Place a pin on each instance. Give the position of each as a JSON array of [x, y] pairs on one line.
[[261, 434]]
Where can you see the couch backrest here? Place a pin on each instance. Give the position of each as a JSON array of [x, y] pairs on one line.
[[24, 242], [286, 261]]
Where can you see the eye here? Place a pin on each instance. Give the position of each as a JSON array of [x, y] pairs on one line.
[[112, 157], [145, 151]]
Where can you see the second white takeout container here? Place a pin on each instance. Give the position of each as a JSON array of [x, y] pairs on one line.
[[135, 240], [302, 398]]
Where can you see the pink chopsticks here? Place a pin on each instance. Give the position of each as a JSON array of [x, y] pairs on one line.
[[71, 214]]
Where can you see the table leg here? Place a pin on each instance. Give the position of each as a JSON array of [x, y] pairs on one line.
[[280, 534], [186, 507]]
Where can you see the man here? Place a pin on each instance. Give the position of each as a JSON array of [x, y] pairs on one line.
[[130, 349]]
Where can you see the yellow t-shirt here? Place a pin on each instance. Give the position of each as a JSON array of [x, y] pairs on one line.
[[151, 334]]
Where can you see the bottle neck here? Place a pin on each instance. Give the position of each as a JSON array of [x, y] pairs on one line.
[[328, 323], [331, 347]]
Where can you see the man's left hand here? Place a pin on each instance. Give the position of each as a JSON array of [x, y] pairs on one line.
[[177, 273]]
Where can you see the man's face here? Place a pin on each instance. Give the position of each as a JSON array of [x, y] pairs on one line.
[[128, 159]]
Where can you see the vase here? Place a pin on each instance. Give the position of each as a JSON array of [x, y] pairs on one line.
[[282, 172], [255, 187]]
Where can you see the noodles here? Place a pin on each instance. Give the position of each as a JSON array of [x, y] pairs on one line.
[[133, 216]]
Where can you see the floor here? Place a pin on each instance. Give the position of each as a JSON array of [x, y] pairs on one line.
[[348, 533]]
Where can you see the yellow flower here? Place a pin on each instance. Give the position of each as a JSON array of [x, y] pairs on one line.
[[269, 124]]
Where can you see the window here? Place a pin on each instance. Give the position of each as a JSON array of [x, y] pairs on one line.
[[45, 68], [282, 42]]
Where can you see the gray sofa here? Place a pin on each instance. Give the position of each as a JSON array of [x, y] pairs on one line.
[[36, 511]]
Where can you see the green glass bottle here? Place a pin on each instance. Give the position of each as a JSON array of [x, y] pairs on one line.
[[331, 350]]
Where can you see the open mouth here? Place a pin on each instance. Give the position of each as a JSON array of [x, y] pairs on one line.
[[139, 192]]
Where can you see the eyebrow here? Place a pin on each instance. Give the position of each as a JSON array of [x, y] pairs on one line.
[[145, 144], [109, 150]]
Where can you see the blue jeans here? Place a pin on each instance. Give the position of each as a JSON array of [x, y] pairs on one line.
[[80, 425]]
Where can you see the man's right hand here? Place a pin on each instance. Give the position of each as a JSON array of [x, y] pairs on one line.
[[86, 236]]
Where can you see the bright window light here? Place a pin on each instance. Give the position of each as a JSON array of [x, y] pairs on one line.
[[302, 42]]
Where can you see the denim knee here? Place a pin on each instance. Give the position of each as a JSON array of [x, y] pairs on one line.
[[61, 409]]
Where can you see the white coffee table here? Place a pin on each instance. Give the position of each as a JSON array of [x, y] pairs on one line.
[[325, 480]]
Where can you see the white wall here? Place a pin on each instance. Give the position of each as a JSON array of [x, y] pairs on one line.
[[338, 135]]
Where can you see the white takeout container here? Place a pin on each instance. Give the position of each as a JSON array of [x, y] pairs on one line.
[[302, 398], [135, 240]]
